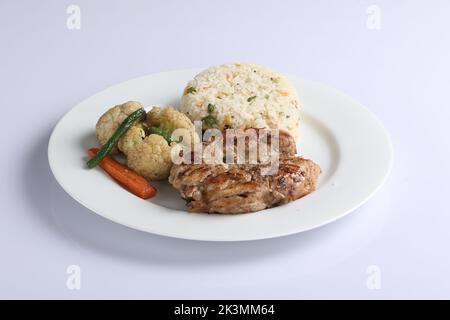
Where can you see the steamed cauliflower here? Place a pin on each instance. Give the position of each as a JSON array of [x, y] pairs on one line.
[[150, 154], [111, 119], [169, 119]]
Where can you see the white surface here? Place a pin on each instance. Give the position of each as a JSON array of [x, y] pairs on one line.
[[343, 137], [399, 72]]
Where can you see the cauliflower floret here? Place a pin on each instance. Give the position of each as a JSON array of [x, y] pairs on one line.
[[132, 138], [111, 120], [149, 156], [169, 119]]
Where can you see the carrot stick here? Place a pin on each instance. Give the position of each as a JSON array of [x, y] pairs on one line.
[[129, 179]]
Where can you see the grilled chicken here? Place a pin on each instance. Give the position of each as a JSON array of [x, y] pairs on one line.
[[240, 188], [232, 188]]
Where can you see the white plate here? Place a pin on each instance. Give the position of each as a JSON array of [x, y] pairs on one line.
[[342, 136]]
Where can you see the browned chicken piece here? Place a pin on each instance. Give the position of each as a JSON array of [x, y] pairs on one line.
[[233, 188], [287, 145], [240, 188]]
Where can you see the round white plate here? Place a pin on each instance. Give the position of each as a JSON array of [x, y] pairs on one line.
[[342, 136]]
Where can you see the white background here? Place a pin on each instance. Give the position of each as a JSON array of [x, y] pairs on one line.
[[401, 72]]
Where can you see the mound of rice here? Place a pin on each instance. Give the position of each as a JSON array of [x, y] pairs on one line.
[[242, 96]]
